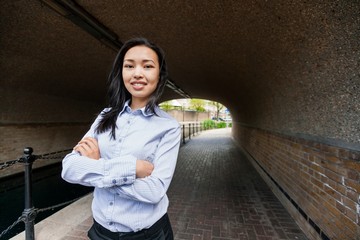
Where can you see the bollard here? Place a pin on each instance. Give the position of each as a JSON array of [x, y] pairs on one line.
[[28, 214]]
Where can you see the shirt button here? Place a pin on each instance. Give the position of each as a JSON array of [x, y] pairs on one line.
[[125, 179], [128, 122], [114, 181], [111, 203], [111, 223]]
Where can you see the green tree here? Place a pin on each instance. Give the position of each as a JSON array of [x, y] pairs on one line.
[[166, 106], [197, 105], [218, 107]]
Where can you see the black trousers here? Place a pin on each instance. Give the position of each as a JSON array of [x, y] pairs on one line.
[[161, 230]]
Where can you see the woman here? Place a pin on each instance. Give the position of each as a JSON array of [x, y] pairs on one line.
[[130, 152]]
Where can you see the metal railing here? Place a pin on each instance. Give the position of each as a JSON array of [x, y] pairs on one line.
[[30, 212], [189, 129]]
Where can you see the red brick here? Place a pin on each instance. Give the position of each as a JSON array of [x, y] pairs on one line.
[[355, 185]]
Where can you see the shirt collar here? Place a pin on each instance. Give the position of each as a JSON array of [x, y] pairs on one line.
[[128, 109]]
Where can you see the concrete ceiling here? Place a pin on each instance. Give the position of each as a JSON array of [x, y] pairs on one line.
[[214, 48], [242, 53]]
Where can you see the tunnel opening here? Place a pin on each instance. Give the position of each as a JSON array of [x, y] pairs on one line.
[[198, 110]]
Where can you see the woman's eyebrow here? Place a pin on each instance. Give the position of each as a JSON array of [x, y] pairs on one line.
[[144, 60], [148, 60]]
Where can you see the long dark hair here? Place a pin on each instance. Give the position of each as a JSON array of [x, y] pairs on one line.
[[118, 94]]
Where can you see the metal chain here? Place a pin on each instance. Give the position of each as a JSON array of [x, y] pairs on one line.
[[11, 226], [8, 164], [58, 205], [21, 218], [53, 155]]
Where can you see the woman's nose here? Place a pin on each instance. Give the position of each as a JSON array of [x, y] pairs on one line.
[[138, 72]]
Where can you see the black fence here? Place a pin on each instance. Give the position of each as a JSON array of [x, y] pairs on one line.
[[190, 129]]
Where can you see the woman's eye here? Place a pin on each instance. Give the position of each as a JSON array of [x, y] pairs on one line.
[[148, 66], [128, 66]]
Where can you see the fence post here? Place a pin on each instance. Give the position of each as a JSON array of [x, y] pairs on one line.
[[183, 135], [28, 214], [189, 130]]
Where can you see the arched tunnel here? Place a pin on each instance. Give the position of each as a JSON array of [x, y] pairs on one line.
[[288, 71]]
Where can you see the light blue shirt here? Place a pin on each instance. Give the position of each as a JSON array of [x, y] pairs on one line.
[[122, 202]]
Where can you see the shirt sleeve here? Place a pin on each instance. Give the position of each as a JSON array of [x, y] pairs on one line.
[[98, 173], [153, 188]]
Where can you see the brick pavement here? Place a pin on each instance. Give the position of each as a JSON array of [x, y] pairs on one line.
[[217, 194]]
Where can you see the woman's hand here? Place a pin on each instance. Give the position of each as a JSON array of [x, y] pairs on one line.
[[143, 168], [88, 147]]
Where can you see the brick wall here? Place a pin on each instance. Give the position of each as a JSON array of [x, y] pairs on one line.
[[319, 184]]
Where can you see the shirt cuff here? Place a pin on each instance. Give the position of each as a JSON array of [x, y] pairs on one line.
[[119, 171]]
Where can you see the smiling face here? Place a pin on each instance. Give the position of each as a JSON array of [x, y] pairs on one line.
[[140, 72]]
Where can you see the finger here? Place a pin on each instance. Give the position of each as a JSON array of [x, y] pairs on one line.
[[86, 144], [91, 142], [90, 139], [149, 165], [77, 147], [86, 139], [84, 148], [81, 150], [87, 147]]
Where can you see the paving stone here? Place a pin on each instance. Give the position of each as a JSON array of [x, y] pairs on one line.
[[217, 194]]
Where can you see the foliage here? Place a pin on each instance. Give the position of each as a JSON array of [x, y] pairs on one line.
[[197, 105], [208, 124], [221, 125], [218, 107], [166, 106]]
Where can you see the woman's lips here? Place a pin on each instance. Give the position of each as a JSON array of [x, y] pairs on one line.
[[138, 85]]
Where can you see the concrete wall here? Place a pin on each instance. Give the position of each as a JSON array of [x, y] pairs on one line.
[[311, 86], [189, 116], [45, 123], [43, 138]]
